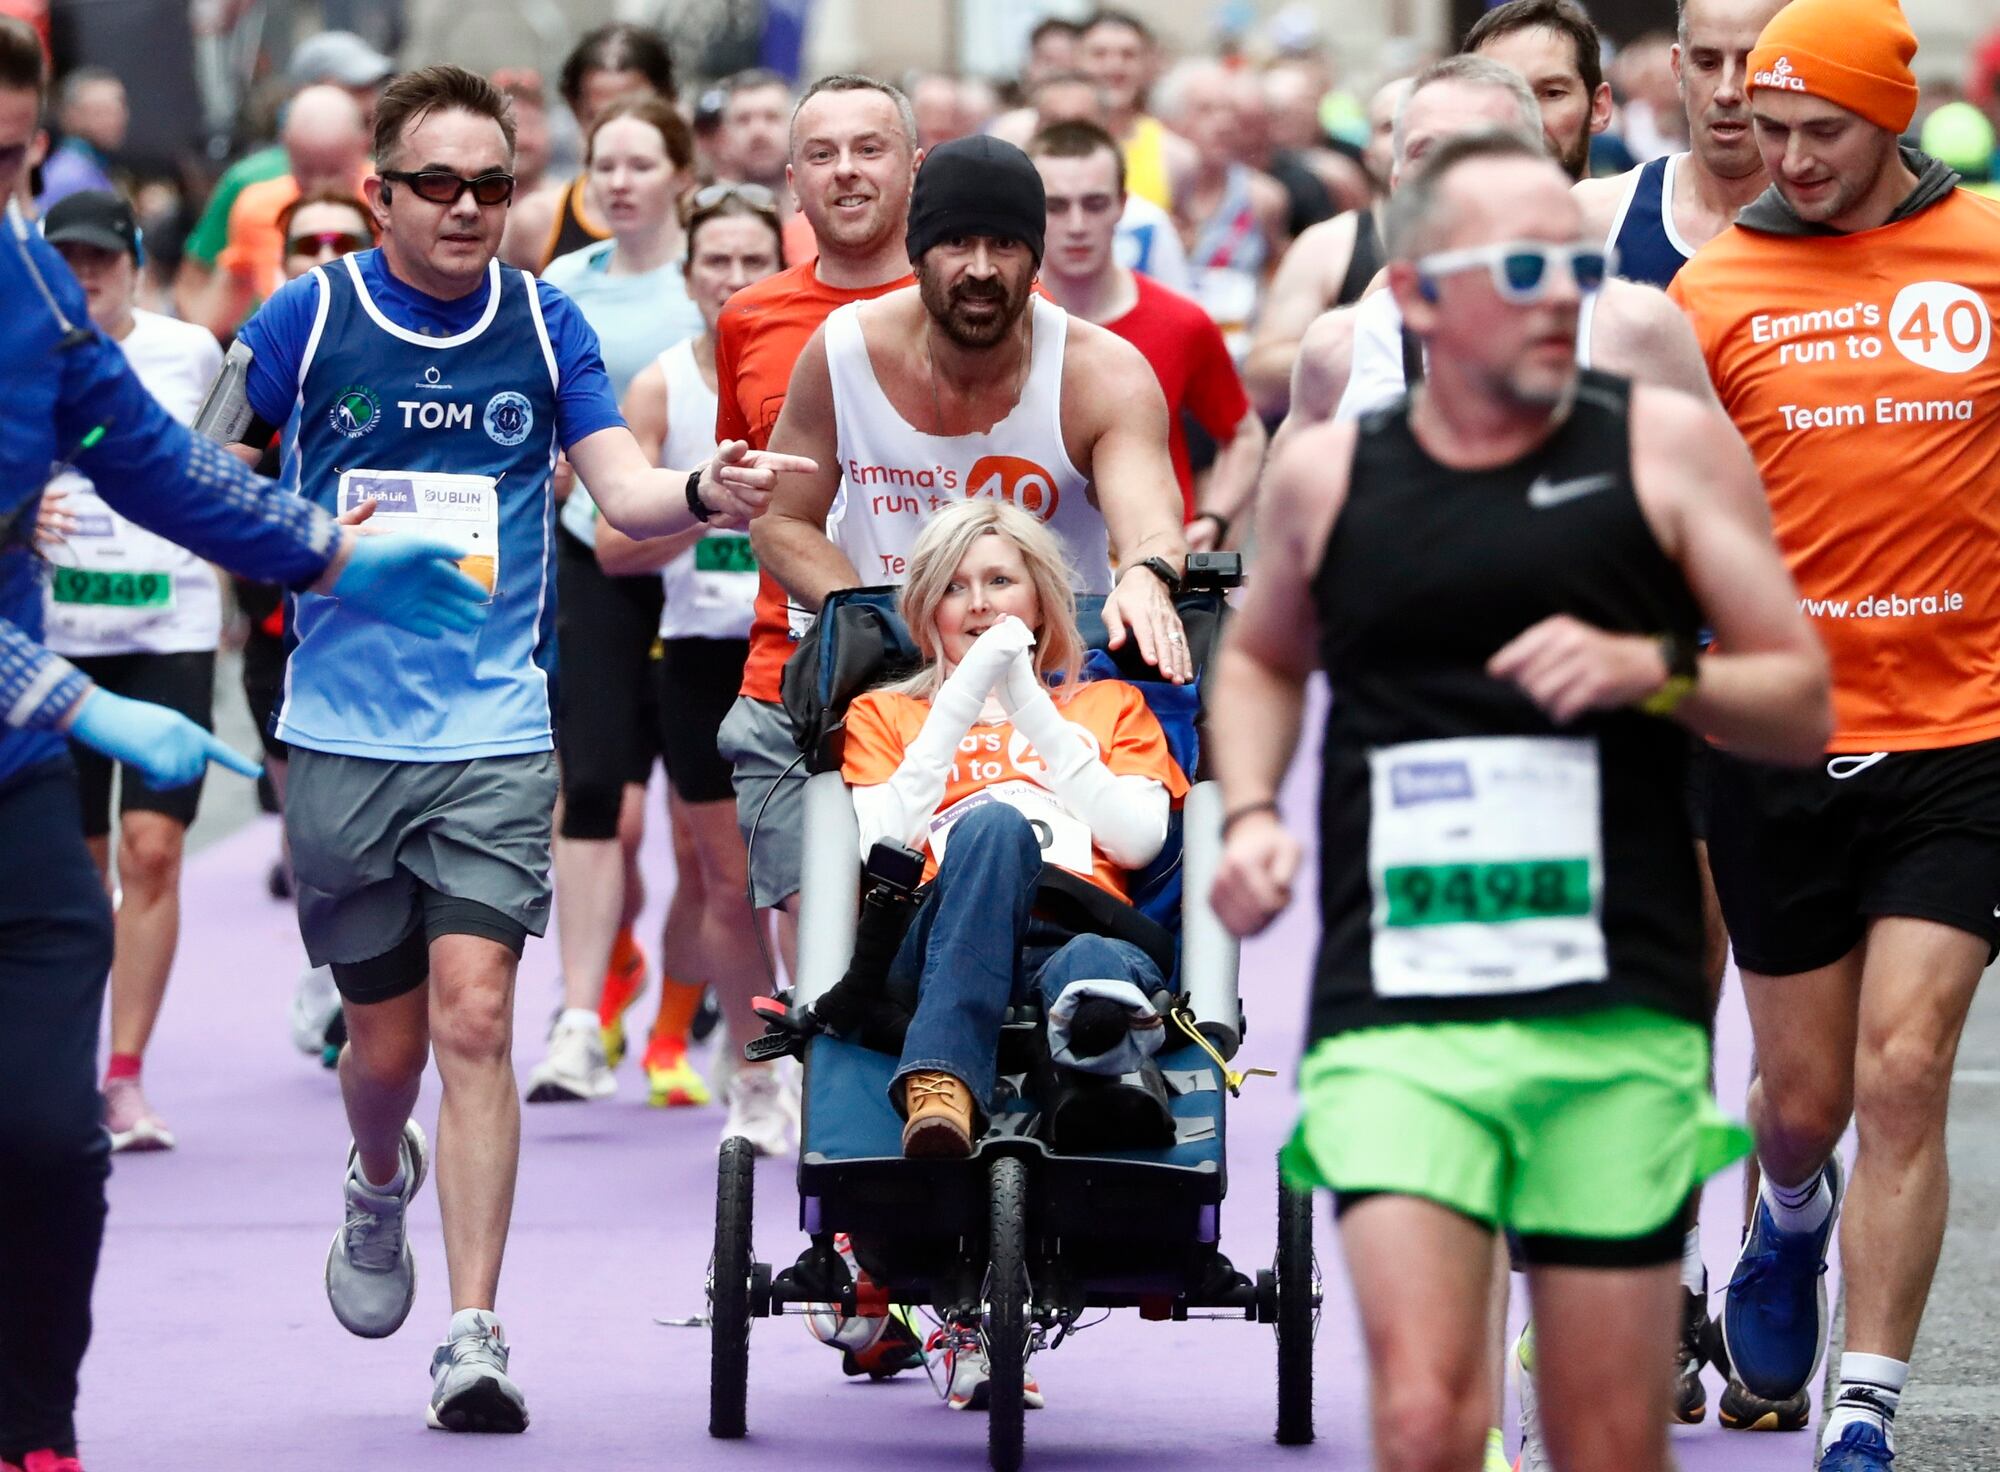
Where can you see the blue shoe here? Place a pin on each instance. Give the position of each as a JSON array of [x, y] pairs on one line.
[[1861, 1448], [1774, 1319]]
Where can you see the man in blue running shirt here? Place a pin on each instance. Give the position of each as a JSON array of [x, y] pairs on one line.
[[436, 387], [69, 395]]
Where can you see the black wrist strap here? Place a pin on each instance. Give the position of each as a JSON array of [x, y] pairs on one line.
[[1162, 569], [1249, 810], [699, 509]]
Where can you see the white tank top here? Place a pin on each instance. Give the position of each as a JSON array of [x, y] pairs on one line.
[[894, 477], [114, 587], [711, 587], [1375, 375]]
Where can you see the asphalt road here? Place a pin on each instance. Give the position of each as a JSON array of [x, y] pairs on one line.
[[1950, 1416]]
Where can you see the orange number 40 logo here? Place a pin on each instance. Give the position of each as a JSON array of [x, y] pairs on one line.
[[1010, 478]]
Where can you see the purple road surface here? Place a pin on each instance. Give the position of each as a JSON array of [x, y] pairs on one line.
[[215, 1349]]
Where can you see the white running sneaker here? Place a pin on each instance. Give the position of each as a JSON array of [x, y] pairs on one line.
[[575, 1070], [763, 1108], [315, 1003], [130, 1120], [961, 1360]]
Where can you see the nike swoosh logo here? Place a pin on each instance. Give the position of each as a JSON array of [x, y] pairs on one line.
[[1545, 493]]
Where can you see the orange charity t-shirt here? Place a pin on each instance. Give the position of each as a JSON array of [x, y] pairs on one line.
[[997, 763], [758, 340], [1861, 370]]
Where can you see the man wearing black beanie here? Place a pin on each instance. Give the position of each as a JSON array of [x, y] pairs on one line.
[[971, 385]]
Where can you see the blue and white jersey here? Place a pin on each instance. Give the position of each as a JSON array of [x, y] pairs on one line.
[[448, 415], [1649, 248]]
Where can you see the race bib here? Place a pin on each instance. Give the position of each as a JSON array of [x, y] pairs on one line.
[[1063, 837], [1486, 866], [725, 554], [93, 588], [462, 510]]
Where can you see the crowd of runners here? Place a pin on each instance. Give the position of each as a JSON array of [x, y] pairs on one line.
[[1623, 459]]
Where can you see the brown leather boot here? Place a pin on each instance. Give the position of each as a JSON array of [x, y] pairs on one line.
[[939, 1108]]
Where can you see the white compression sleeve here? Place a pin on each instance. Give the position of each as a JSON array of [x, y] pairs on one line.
[[1127, 816]]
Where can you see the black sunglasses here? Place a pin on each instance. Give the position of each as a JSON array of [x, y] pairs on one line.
[[441, 186]]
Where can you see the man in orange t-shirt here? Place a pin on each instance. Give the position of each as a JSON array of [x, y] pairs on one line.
[[326, 141], [1847, 320], [853, 159]]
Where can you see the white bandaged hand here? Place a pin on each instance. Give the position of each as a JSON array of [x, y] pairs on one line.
[[901, 808], [1127, 816]]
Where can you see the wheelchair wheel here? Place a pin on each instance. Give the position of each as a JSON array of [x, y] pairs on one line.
[[729, 1292], [1298, 1315], [1007, 1311]]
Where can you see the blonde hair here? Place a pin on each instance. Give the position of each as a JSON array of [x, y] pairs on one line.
[[944, 543]]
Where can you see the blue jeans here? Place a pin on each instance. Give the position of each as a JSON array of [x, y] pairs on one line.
[[975, 948]]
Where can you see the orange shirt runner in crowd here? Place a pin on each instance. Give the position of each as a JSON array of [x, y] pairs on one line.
[[997, 760], [757, 342], [256, 249], [1860, 368]]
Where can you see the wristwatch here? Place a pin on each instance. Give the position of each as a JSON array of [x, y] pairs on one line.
[[1683, 673], [698, 508], [1162, 569]]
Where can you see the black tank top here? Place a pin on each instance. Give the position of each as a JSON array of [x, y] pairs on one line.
[[571, 233], [1363, 263], [1478, 861]]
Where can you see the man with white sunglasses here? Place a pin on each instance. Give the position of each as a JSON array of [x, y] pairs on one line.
[[1504, 572], [1357, 358]]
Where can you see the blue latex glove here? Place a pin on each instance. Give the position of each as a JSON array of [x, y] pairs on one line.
[[412, 582], [163, 746]]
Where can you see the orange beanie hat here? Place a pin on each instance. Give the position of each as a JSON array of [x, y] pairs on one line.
[[1854, 53]]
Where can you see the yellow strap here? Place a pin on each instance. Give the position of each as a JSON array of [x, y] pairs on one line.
[[1184, 1020]]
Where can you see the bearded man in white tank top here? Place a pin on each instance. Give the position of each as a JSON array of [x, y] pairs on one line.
[[969, 385]]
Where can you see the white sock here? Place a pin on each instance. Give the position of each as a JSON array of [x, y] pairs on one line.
[[1871, 1387], [583, 1019], [395, 1185], [1694, 1273], [1799, 1208]]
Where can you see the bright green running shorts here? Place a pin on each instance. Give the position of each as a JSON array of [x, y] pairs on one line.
[[1583, 1134]]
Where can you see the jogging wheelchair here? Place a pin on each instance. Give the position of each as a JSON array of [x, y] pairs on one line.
[[1021, 1240]]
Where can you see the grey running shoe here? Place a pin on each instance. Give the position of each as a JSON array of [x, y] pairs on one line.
[[470, 1390], [371, 1276]]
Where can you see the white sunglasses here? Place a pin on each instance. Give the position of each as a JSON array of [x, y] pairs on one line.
[[1520, 268]]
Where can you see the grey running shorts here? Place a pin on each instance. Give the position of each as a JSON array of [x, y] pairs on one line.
[[371, 840]]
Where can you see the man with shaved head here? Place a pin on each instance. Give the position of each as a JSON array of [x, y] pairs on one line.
[[1510, 1021], [326, 142]]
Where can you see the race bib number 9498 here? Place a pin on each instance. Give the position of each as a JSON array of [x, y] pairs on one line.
[[1485, 859]]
